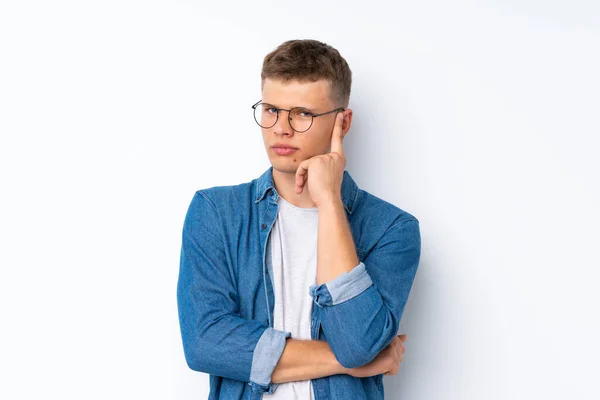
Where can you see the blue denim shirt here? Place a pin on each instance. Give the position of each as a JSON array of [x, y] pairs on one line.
[[225, 294]]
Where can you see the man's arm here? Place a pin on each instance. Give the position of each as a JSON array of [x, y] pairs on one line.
[[336, 252], [216, 339], [361, 304], [312, 359], [306, 359]]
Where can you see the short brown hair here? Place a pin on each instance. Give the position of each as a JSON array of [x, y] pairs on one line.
[[309, 60]]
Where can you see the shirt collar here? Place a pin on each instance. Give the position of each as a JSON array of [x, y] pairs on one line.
[[349, 188]]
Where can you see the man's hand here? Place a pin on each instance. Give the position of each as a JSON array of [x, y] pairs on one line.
[[387, 362], [326, 170]]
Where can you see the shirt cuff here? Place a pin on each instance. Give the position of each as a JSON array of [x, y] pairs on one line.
[[266, 355], [342, 288]]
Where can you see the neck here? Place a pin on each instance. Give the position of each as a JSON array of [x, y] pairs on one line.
[[285, 184]]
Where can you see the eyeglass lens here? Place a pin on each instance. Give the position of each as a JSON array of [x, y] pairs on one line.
[[266, 116]]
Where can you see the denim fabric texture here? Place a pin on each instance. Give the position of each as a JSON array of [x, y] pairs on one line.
[[225, 295]]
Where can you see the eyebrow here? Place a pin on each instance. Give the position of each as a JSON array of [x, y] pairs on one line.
[[276, 106]]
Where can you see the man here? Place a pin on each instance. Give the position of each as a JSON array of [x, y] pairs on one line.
[[292, 285]]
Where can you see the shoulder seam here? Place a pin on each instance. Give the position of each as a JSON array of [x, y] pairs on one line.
[[210, 202]]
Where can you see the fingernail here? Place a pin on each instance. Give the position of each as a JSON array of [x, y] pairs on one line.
[[341, 115]]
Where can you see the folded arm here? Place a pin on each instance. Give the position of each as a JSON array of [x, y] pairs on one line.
[[306, 359], [216, 339], [360, 306]]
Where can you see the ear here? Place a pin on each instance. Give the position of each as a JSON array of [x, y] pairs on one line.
[[347, 122]]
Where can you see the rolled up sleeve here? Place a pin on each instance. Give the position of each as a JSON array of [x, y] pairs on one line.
[[360, 310], [216, 339], [267, 353], [343, 288]]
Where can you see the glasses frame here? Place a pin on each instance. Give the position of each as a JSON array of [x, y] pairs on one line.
[[313, 115]]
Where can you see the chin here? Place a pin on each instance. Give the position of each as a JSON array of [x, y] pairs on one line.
[[285, 166]]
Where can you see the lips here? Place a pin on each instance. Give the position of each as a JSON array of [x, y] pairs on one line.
[[284, 146], [284, 151]]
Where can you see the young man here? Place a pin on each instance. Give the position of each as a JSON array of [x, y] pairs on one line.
[[292, 285]]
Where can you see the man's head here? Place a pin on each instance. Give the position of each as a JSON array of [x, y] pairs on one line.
[[309, 74]]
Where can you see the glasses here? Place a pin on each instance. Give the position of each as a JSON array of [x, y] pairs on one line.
[[300, 118]]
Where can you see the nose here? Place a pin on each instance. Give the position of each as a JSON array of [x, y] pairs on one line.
[[282, 126]]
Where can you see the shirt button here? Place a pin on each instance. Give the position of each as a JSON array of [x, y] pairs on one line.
[[264, 226]]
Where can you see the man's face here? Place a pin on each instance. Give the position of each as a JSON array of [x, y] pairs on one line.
[[314, 96]]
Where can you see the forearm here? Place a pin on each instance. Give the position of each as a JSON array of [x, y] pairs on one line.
[[306, 359], [360, 318], [336, 251]]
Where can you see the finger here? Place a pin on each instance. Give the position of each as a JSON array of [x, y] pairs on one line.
[[336, 137], [300, 187], [403, 337], [399, 353], [301, 173], [300, 184]]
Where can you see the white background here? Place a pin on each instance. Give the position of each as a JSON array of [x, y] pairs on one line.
[[480, 118]]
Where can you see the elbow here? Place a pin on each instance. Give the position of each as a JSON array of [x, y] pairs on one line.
[[356, 351], [353, 356], [194, 357], [195, 363]]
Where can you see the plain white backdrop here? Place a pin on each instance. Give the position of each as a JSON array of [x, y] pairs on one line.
[[481, 118]]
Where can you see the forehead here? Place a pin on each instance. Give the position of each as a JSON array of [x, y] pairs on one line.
[[294, 93]]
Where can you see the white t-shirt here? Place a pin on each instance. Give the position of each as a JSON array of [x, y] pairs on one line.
[[292, 247]]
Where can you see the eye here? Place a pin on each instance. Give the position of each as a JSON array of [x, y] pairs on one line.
[[271, 110], [302, 113]]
